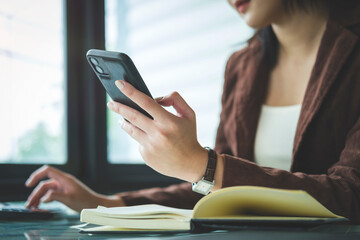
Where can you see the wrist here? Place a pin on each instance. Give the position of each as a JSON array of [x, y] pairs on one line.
[[110, 201], [207, 182], [199, 167]]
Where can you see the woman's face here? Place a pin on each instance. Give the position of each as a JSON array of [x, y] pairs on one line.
[[259, 13]]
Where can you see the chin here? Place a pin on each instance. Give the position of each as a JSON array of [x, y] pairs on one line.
[[259, 13], [254, 22]]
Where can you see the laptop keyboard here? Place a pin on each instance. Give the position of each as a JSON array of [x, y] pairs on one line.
[[8, 213]]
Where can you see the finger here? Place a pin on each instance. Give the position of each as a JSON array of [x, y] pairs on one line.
[[181, 107], [158, 99], [141, 99], [44, 172], [53, 195], [135, 117], [35, 204], [136, 133], [40, 191]]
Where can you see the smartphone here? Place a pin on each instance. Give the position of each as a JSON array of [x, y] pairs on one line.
[[111, 66]]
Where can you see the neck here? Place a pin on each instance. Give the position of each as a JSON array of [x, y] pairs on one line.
[[300, 33]]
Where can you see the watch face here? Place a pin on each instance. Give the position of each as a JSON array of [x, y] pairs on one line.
[[203, 187]]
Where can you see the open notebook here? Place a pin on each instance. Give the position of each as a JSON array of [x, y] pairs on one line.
[[227, 208]]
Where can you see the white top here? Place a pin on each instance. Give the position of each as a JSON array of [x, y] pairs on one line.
[[275, 136]]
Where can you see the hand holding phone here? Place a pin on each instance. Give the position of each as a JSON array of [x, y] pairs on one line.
[[168, 145]]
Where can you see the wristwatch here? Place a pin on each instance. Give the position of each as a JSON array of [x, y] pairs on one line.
[[205, 185]]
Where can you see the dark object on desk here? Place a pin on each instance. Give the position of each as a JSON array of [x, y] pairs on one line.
[[209, 225], [22, 214]]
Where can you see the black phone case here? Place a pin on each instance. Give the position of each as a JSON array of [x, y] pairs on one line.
[[117, 66]]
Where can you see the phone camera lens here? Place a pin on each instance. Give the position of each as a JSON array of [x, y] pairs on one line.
[[99, 69], [94, 61]]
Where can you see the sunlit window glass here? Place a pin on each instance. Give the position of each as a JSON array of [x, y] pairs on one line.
[[177, 46], [32, 85]]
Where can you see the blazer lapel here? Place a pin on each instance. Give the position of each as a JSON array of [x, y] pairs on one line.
[[335, 48], [251, 91]]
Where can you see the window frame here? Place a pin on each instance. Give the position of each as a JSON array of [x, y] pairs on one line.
[[86, 117]]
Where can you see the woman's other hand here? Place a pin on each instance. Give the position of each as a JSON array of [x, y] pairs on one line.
[[65, 188], [168, 143]]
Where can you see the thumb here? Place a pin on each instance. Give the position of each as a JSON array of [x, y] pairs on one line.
[[175, 100]]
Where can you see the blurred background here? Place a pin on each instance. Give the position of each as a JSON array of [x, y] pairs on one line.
[[53, 109]]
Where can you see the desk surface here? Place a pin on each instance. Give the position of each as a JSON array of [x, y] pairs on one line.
[[60, 229]]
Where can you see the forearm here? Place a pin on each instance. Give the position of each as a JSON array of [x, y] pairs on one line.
[[178, 195], [110, 201]]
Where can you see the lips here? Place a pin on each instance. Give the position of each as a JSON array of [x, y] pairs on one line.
[[241, 5]]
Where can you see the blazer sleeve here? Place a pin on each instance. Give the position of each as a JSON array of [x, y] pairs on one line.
[[338, 190]]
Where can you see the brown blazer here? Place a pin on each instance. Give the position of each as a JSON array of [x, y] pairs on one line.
[[326, 152]]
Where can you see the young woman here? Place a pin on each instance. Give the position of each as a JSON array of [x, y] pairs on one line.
[[290, 116]]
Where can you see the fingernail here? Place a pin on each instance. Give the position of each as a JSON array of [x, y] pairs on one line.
[[119, 84], [27, 182], [159, 99], [120, 122], [110, 104]]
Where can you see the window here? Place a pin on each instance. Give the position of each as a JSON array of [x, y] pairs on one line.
[[177, 46], [53, 108], [49, 101], [32, 82]]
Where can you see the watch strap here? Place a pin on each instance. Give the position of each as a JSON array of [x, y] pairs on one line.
[[211, 165]]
